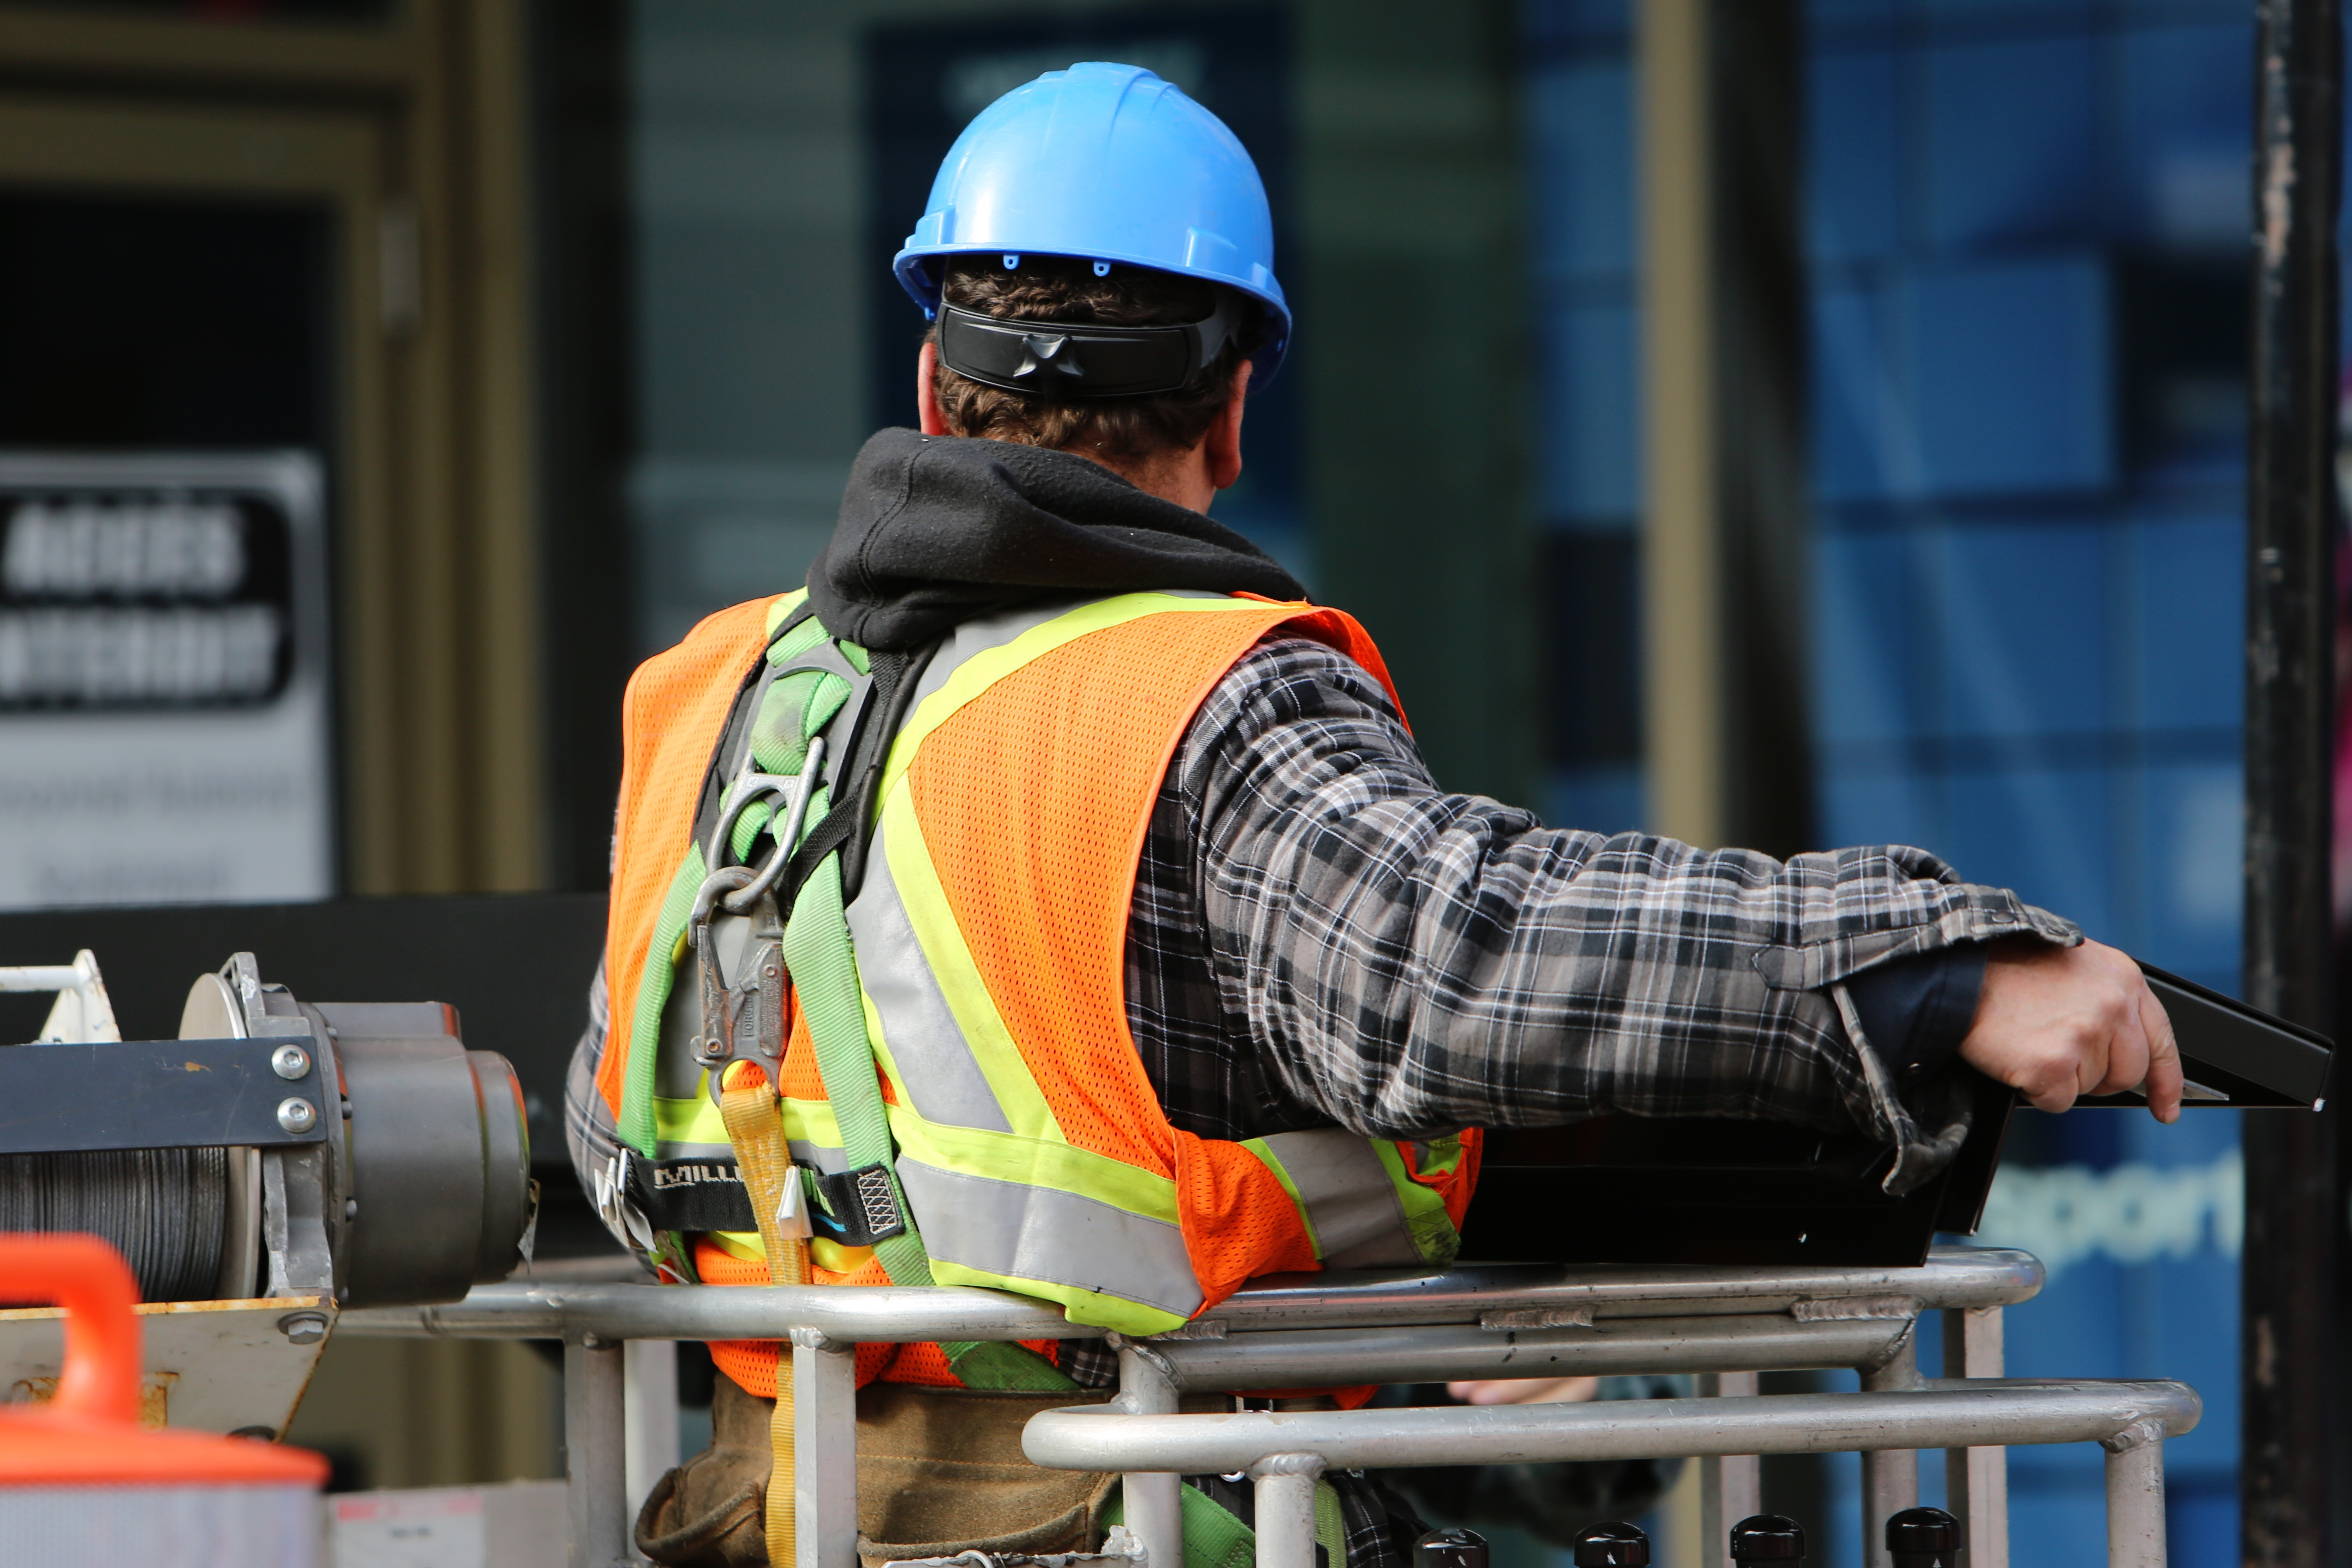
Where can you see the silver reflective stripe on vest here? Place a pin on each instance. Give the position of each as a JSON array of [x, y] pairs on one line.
[[935, 1065], [677, 1148], [1345, 1189], [819, 1157], [1041, 1233]]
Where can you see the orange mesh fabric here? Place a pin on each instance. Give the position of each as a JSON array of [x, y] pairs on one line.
[[1238, 1221], [752, 1362], [1074, 745], [798, 1077], [676, 705]]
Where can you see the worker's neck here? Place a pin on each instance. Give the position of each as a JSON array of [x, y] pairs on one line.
[[1180, 475]]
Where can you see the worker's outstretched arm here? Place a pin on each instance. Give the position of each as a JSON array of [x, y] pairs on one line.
[[1410, 961]]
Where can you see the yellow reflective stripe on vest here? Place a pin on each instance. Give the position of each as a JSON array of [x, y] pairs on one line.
[[1432, 1227]]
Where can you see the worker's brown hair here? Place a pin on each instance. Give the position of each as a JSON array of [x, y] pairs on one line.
[[1063, 288]]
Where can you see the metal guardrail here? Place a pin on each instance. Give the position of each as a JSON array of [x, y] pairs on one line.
[[1338, 1330]]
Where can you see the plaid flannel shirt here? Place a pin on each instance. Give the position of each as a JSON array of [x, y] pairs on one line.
[[1319, 935]]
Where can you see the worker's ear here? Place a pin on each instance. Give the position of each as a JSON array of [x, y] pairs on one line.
[[926, 393], [1224, 438]]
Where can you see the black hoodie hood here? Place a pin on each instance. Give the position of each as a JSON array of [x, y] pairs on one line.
[[936, 530]]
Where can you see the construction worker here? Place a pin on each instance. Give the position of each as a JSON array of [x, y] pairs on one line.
[[1048, 897]]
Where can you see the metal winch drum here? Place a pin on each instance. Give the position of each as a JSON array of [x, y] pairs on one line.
[[276, 1148]]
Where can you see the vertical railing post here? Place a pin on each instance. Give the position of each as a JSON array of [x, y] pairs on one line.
[[1730, 1488], [1975, 1480], [2136, 1500], [649, 1383], [595, 1452], [1890, 1477], [1151, 1502], [824, 1451], [1284, 1494]]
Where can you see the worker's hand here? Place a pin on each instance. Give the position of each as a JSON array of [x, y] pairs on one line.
[[2057, 1022], [1525, 1390]]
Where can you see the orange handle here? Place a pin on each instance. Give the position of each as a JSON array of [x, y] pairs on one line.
[[89, 1279]]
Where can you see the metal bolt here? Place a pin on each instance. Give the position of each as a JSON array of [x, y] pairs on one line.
[[296, 1115], [290, 1062], [303, 1328]]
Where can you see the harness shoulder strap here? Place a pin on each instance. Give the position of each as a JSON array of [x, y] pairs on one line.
[[815, 888]]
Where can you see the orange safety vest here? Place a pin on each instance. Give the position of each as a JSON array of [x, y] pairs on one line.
[[990, 937]]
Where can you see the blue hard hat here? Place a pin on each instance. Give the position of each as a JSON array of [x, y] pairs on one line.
[[1107, 163]]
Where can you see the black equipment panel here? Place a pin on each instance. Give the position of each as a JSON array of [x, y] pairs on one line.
[[1630, 1189], [151, 1094]]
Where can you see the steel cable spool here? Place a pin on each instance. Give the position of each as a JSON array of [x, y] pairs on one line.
[[165, 1210], [356, 1152]]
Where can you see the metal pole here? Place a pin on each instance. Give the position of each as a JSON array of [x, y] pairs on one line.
[[824, 1451], [1723, 350], [2291, 1254], [1284, 1492], [595, 1453], [1890, 1477], [1976, 1480], [2136, 1503], [1730, 1486], [1974, 1415], [649, 1379], [1150, 1499]]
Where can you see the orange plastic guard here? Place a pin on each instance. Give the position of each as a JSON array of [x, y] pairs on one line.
[[90, 1281], [89, 1434]]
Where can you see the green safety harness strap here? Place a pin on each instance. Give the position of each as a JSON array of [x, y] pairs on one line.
[[1215, 1537], [824, 969]]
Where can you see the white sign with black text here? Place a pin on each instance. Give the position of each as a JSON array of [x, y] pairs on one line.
[[166, 712]]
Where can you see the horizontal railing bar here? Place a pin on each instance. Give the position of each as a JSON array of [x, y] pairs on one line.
[[1335, 1358], [866, 1314], [1987, 1413], [1953, 1276]]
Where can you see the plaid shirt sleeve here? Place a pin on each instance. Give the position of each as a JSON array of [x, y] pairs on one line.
[[1408, 961]]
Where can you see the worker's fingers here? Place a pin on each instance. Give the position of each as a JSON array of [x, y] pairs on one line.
[[2047, 1089], [1525, 1390], [2164, 1075], [2126, 1067]]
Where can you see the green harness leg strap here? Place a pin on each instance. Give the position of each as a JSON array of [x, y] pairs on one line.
[[1215, 1537], [824, 974]]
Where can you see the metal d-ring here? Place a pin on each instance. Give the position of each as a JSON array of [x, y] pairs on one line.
[[752, 785], [788, 840]]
